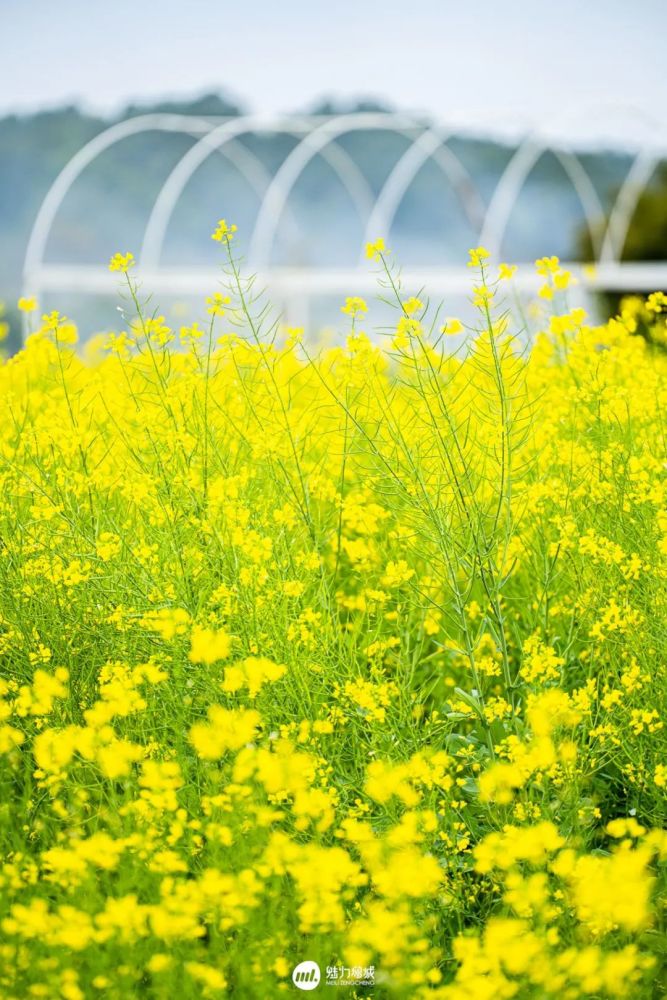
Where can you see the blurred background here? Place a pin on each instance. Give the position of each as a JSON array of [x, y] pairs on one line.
[[436, 124]]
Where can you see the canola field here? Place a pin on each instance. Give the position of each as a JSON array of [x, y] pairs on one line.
[[351, 657]]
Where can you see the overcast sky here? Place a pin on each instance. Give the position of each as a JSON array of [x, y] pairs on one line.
[[487, 64]]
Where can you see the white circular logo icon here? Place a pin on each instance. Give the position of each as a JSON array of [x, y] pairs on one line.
[[306, 975]]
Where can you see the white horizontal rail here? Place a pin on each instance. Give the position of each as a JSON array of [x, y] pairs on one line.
[[644, 276]]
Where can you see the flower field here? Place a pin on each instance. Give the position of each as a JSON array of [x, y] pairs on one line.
[[351, 656]]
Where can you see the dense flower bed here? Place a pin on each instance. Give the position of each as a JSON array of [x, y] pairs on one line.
[[352, 656]]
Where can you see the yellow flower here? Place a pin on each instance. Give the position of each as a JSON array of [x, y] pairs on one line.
[[656, 302], [532, 844], [483, 296], [375, 250], [54, 748], [625, 828], [119, 344], [167, 622], [188, 334], [568, 322], [227, 729], [209, 977], [27, 304], [547, 265], [253, 673], [216, 304], [10, 738], [208, 645], [506, 271], [52, 321], [478, 256], [406, 328], [412, 305], [562, 279], [121, 262], [224, 232], [452, 326], [159, 962], [609, 891], [157, 331], [114, 758], [397, 573], [353, 306], [540, 662], [281, 967]]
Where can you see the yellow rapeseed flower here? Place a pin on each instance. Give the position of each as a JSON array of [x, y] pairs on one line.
[[122, 262], [209, 645], [353, 306], [478, 256], [506, 271], [375, 250], [224, 232]]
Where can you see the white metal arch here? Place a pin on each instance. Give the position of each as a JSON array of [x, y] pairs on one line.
[[251, 168], [250, 165], [609, 246], [511, 184], [313, 144], [626, 202], [85, 156], [219, 138], [429, 145]]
